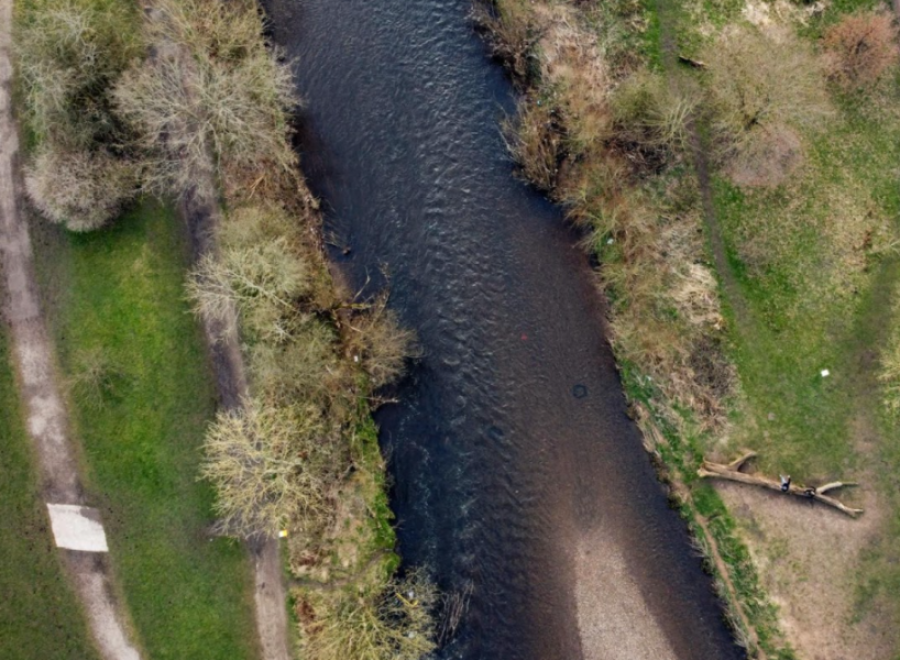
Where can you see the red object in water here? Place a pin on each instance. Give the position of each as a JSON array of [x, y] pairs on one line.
[[524, 337]]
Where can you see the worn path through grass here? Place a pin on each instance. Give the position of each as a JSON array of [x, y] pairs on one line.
[[39, 615], [142, 396]]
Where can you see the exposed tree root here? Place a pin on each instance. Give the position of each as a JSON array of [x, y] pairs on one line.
[[732, 472]]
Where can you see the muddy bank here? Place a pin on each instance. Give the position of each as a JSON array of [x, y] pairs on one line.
[[519, 477]]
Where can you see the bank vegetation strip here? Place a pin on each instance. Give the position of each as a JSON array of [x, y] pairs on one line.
[[189, 104], [747, 237]]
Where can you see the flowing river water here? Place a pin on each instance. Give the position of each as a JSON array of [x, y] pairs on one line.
[[518, 477]]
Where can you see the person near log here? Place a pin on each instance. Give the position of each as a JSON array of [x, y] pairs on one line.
[[785, 483]]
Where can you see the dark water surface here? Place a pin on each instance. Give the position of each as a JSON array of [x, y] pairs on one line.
[[511, 439]]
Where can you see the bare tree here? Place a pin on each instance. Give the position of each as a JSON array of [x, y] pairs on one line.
[[759, 85], [860, 48], [215, 96]]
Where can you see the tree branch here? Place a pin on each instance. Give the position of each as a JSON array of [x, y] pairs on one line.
[[731, 472]]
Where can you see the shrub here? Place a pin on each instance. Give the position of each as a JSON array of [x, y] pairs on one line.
[[535, 140], [307, 369], [96, 379], [377, 340], [268, 464], [256, 273], [394, 623], [650, 119], [80, 189], [214, 100], [759, 85], [69, 54], [861, 47]]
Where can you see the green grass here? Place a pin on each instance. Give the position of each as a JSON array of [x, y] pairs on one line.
[[119, 291], [809, 310], [39, 616]]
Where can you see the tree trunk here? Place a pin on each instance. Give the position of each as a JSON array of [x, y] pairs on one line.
[[731, 472]]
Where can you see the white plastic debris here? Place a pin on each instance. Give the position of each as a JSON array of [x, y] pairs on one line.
[[825, 373], [77, 528], [610, 241]]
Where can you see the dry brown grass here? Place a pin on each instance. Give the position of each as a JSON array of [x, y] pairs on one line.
[[535, 139], [393, 623], [889, 375], [861, 47]]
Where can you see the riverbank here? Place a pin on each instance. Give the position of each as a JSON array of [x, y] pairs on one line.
[[509, 443], [203, 115], [725, 312]]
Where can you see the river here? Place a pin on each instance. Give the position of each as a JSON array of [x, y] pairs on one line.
[[518, 477]]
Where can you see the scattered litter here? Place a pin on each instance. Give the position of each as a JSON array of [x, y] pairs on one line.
[[282, 534], [825, 373], [610, 241], [356, 358]]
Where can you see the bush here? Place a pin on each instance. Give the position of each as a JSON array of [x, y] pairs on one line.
[[80, 189], [759, 86], [650, 120], [377, 340], [69, 54], [268, 465], [535, 140], [861, 47], [395, 623], [214, 100]]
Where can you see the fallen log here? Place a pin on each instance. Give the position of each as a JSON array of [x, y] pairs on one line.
[[697, 64], [732, 472]]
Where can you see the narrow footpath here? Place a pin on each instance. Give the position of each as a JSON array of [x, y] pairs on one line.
[[269, 592], [77, 529]]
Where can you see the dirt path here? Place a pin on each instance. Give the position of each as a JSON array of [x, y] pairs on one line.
[[270, 594], [77, 529]]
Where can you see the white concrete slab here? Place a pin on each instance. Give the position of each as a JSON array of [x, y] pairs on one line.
[[77, 528]]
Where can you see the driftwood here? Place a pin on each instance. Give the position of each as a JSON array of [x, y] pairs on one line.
[[697, 64], [732, 472]]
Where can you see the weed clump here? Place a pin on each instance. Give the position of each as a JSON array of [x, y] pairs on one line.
[[650, 121], [889, 375]]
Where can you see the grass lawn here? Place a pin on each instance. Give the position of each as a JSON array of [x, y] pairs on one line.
[[143, 397], [813, 300], [39, 616]]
